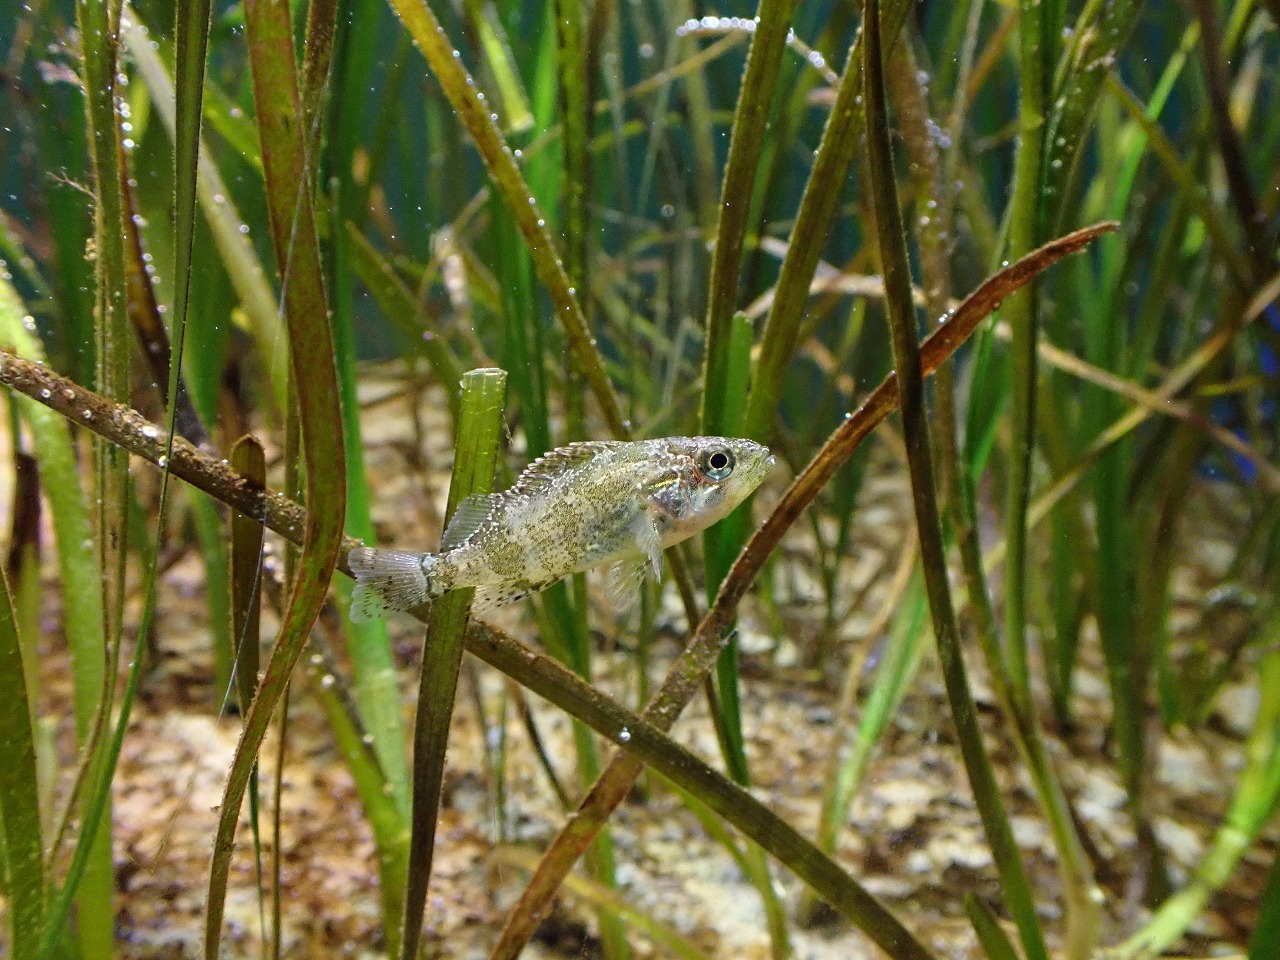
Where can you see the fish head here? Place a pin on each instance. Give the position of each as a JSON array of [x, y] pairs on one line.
[[716, 474]]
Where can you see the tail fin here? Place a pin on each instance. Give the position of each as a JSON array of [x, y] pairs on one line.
[[388, 580]]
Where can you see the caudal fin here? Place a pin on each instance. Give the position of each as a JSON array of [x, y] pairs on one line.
[[388, 580]]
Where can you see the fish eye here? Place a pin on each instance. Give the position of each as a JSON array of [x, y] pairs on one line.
[[716, 463]]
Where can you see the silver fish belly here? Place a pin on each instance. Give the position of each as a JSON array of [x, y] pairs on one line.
[[577, 507]]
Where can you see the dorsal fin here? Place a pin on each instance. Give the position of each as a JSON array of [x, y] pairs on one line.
[[549, 467], [468, 518]]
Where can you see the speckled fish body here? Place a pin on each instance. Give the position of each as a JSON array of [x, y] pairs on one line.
[[578, 507]]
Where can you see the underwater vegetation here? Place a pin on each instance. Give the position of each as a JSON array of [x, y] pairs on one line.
[[284, 281]]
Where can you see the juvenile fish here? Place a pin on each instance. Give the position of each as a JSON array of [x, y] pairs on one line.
[[578, 507]]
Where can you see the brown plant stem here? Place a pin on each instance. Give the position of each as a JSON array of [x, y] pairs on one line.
[[699, 658]]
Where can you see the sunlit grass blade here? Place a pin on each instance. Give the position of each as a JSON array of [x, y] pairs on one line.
[[545, 167], [73, 534], [389, 826], [475, 458], [311, 353], [1256, 798], [112, 342], [576, 116], [722, 541], [19, 793], [517, 114]]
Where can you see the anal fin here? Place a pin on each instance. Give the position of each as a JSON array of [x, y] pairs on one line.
[[492, 596]]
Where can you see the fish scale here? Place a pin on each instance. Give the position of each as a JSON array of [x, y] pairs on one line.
[[580, 506]]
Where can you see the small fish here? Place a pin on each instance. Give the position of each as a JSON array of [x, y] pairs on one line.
[[575, 508]]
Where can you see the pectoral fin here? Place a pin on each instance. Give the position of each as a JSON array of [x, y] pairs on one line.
[[649, 541], [623, 581], [625, 576]]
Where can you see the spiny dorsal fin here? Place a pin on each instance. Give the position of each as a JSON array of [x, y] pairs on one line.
[[549, 467], [468, 518]]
